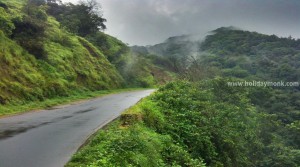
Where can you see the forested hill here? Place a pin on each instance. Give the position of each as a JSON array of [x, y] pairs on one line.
[[230, 52], [51, 49], [236, 52], [40, 59], [252, 54], [175, 52], [202, 120], [173, 46]]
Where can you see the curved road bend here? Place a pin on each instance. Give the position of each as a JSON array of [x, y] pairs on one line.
[[49, 138]]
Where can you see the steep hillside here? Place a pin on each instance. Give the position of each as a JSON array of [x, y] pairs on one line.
[[40, 60], [206, 121], [195, 124], [251, 56], [137, 69], [257, 57], [173, 46], [178, 51]]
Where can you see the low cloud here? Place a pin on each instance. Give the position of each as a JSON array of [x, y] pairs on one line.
[[143, 22]]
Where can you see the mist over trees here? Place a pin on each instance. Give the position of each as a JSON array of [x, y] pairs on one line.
[[232, 55], [53, 49]]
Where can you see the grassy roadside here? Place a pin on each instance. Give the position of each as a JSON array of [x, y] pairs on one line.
[[22, 107], [134, 140], [190, 125], [125, 137]]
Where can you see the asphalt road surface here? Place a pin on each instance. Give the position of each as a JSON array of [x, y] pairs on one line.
[[49, 138]]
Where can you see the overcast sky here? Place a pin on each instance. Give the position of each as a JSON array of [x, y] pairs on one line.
[[144, 22]]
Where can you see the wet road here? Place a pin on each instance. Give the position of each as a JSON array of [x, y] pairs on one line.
[[48, 138]]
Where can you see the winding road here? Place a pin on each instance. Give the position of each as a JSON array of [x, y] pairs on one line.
[[49, 138]]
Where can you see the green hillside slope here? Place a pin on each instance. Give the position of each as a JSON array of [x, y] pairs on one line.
[[41, 60], [137, 69], [176, 52], [251, 56], [195, 124], [204, 120], [257, 57]]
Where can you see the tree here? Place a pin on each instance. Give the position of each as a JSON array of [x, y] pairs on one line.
[[90, 17], [37, 2], [29, 31], [6, 25], [54, 1], [82, 19]]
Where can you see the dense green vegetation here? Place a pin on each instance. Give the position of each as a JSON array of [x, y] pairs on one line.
[[82, 19], [140, 70], [39, 60], [175, 53], [228, 52], [204, 122], [254, 56], [85, 19], [47, 53], [51, 51]]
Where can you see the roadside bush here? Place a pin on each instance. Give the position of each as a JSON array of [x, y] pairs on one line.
[[207, 125], [56, 88], [3, 5], [29, 31], [152, 116], [6, 25]]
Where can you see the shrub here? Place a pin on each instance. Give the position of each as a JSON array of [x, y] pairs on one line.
[[6, 24]]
